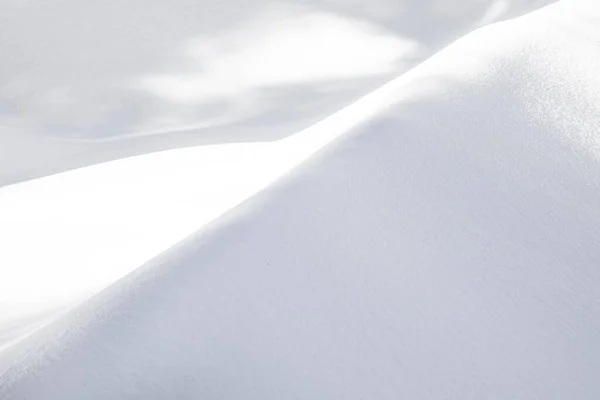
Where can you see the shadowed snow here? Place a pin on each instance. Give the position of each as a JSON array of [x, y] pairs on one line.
[[444, 246]]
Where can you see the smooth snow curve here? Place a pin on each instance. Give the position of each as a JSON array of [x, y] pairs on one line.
[[444, 248], [94, 225], [83, 83]]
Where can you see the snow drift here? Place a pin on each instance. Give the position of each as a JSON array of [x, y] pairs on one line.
[[87, 82], [445, 247]]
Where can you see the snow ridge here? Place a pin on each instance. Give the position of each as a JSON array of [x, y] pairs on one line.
[[445, 246]]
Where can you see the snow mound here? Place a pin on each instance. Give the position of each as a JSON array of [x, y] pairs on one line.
[[83, 83], [446, 246]]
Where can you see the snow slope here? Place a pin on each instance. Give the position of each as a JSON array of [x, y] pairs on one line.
[[86, 82], [94, 225], [445, 247]]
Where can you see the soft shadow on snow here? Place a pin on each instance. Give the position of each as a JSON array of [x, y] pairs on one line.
[[94, 225], [446, 247], [98, 223], [199, 72]]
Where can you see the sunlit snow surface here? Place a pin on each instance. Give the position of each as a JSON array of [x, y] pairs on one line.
[[74, 233], [95, 224], [445, 247], [131, 72]]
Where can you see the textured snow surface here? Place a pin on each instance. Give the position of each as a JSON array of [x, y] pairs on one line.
[[446, 246]]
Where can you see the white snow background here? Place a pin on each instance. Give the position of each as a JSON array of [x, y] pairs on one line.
[[444, 246]]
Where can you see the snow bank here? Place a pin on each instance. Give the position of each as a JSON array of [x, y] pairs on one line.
[[83, 83], [94, 225], [445, 247]]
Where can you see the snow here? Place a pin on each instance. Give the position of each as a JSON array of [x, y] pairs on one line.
[[87, 82], [445, 245], [96, 224]]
